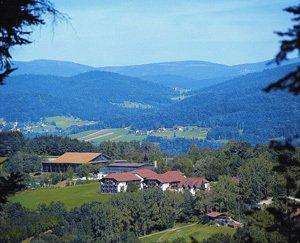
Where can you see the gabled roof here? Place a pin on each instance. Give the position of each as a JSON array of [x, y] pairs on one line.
[[144, 173], [215, 214], [76, 158], [193, 182], [168, 177], [173, 176], [122, 177]]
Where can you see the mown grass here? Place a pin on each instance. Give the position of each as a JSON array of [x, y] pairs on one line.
[[71, 196], [199, 232]]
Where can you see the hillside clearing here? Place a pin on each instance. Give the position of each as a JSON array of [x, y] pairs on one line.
[[126, 135], [197, 231], [71, 196], [66, 121]]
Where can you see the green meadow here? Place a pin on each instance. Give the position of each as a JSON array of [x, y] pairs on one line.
[[71, 196], [66, 121], [125, 135], [198, 232]]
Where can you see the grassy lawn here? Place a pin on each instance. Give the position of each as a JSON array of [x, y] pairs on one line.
[[72, 196], [198, 231]]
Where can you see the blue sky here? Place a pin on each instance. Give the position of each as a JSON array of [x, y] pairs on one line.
[[123, 32]]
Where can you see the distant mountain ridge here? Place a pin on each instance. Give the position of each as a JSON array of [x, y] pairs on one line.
[[182, 74], [50, 67]]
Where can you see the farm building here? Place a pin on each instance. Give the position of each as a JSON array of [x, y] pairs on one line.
[[146, 178], [73, 160]]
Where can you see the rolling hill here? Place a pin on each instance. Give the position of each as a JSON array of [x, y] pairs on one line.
[[236, 109], [50, 67], [94, 95], [182, 74]]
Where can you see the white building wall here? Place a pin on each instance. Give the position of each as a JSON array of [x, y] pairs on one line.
[[164, 186], [122, 186]]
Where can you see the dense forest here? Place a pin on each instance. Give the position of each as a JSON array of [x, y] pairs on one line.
[[235, 109], [242, 175]]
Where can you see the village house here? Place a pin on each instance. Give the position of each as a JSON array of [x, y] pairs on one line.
[[146, 178], [73, 160], [222, 219], [118, 182], [167, 180], [194, 184]]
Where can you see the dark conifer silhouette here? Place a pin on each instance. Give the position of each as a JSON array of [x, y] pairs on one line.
[[291, 81], [17, 17]]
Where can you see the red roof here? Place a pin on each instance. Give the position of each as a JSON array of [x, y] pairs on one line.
[[173, 176], [145, 173], [122, 177], [193, 182], [168, 177], [214, 214]]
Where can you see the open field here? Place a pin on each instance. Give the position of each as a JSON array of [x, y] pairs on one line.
[[66, 121], [133, 105], [197, 231], [71, 196], [113, 134], [124, 134], [188, 133]]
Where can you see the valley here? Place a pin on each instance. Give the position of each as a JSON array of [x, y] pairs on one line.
[[132, 102]]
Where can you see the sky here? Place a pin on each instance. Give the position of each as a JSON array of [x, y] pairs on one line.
[[127, 32]]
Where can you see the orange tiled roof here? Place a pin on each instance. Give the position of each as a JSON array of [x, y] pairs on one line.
[[145, 173], [193, 182], [76, 158], [122, 177], [168, 177]]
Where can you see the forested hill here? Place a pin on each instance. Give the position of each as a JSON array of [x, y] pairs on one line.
[[237, 109], [93, 95], [50, 67], [182, 74]]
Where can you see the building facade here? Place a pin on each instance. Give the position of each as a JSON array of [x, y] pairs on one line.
[[145, 178]]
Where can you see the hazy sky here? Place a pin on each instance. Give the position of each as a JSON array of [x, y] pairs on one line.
[[121, 32]]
